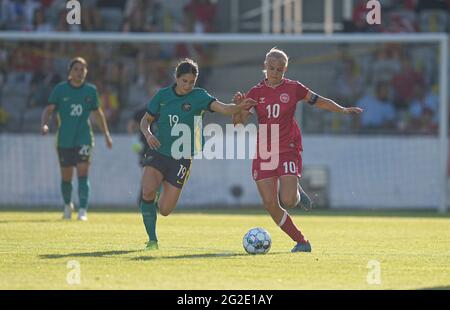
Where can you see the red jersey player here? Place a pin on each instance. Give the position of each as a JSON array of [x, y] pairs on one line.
[[281, 160]]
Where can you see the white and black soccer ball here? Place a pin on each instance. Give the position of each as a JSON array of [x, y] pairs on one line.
[[257, 241]]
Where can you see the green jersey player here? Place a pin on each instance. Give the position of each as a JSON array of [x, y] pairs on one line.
[[73, 101], [178, 106]]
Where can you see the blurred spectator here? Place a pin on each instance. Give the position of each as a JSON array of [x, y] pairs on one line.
[[29, 8], [379, 112], [110, 102], [91, 20], [141, 16], [200, 16], [12, 15], [423, 111], [2, 80], [41, 85], [18, 14], [116, 77], [111, 12], [386, 64], [26, 58], [140, 144], [38, 95], [405, 83], [349, 82], [4, 55], [402, 20], [145, 82], [5, 14], [47, 3], [142, 91], [3, 118], [359, 16], [39, 22], [433, 15], [89, 52], [137, 22]]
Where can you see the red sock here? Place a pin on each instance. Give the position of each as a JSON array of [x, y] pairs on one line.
[[290, 229]]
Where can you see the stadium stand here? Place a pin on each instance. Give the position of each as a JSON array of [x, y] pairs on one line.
[[124, 83]]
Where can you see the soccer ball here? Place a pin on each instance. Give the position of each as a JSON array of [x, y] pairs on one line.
[[257, 241]]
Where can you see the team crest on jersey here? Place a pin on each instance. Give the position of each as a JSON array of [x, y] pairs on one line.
[[262, 100], [284, 98], [88, 99], [186, 107]]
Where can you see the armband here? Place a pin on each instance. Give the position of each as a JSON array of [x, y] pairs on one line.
[[314, 98]]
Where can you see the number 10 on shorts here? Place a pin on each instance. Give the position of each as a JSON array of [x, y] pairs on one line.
[[290, 167]]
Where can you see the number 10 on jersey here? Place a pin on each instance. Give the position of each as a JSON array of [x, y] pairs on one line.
[[273, 111]]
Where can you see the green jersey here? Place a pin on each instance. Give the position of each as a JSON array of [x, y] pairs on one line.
[[73, 107], [171, 111]]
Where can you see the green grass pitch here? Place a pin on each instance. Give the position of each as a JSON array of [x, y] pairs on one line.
[[203, 250]]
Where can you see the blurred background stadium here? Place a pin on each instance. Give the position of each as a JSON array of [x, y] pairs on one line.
[[393, 156]]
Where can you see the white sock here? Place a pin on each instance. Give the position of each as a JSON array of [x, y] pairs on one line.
[[283, 219]]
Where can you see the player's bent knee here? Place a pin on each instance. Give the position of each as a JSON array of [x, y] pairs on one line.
[[270, 201], [273, 205], [289, 202], [165, 212]]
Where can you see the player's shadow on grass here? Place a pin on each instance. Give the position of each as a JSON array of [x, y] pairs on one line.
[[199, 256], [86, 254]]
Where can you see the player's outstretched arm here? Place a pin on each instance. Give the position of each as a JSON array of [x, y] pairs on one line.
[[46, 117], [103, 126], [241, 118], [243, 115], [152, 141], [329, 105], [232, 108]]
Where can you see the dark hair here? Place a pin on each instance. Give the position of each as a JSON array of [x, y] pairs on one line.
[[75, 60], [186, 66]]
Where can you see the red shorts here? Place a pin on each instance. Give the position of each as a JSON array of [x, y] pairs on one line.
[[288, 164]]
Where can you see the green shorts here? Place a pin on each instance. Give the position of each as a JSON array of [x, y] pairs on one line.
[[70, 157], [174, 171]]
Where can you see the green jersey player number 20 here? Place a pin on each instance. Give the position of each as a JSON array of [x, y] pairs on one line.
[[73, 101]]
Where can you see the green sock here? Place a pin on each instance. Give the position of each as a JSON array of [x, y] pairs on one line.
[[66, 190], [148, 210], [83, 191]]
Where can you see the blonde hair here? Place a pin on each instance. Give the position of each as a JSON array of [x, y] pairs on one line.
[[278, 54]]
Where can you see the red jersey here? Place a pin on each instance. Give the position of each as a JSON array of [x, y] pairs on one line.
[[277, 106]]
